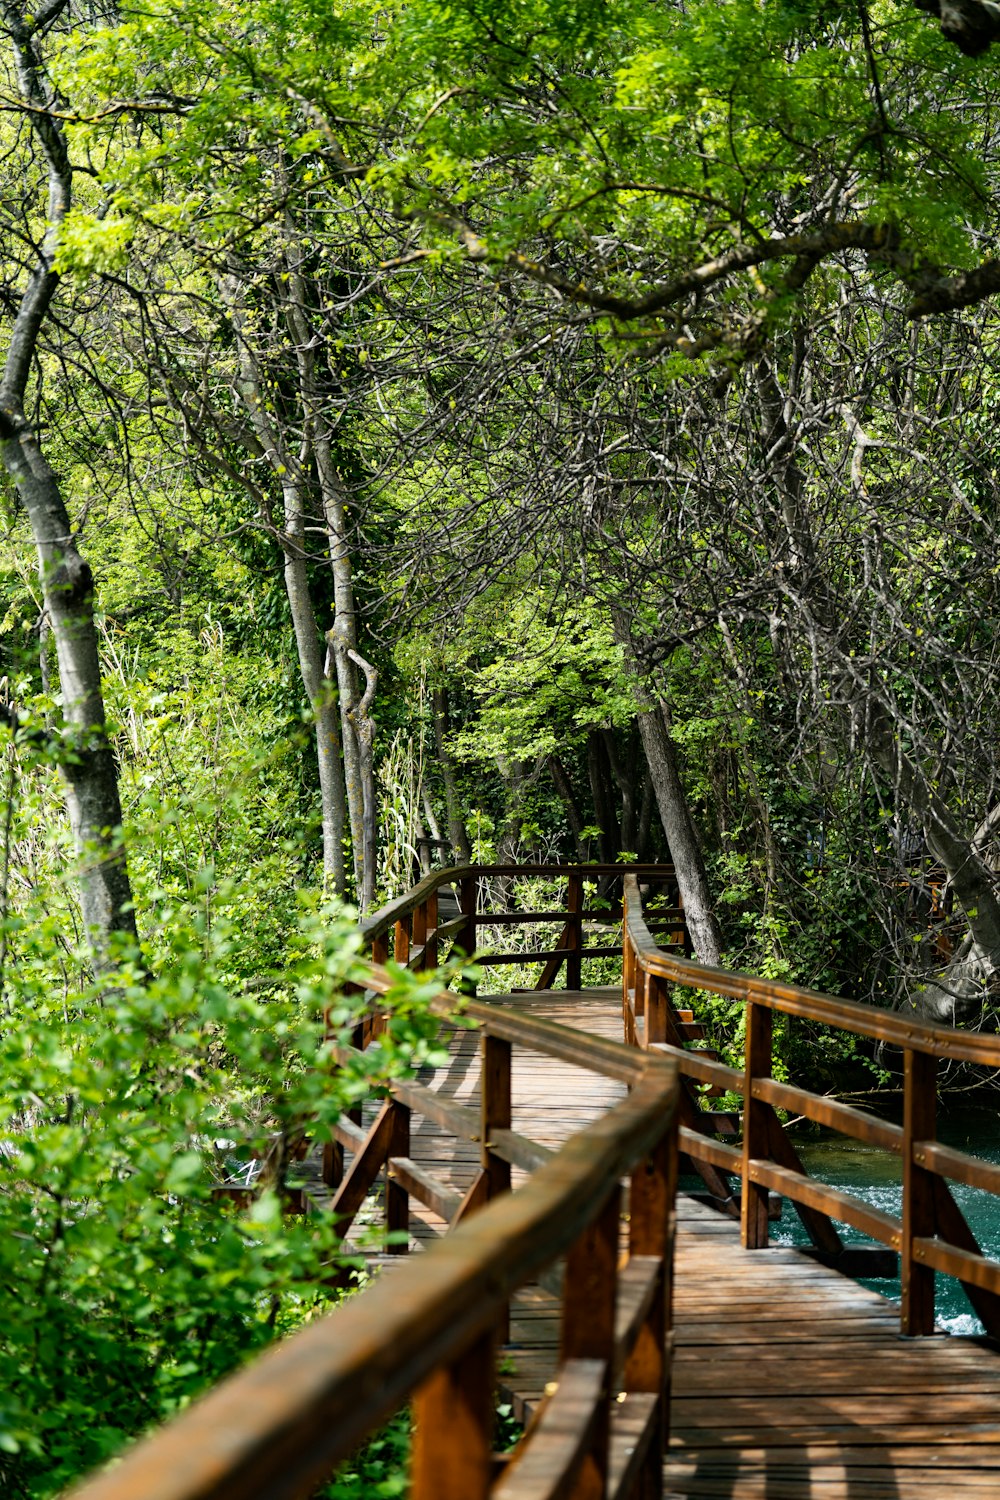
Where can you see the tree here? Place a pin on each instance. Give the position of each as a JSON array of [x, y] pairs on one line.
[[66, 578]]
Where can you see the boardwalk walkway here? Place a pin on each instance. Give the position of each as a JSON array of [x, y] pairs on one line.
[[789, 1380]]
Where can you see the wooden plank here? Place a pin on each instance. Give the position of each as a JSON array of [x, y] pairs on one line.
[[425, 1187], [756, 1119], [518, 918], [453, 1428], [952, 1227], [513, 1147], [495, 1111], [348, 1134], [365, 1167], [397, 1198], [828, 1200], [969, 1268], [497, 960], [817, 1223], [957, 1165], [634, 1423], [856, 1123], [919, 1110], [588, 1330], [455, 1118], [554, 963], [548, 1464], [704, 1148], [703, 1069], [639, 1283]]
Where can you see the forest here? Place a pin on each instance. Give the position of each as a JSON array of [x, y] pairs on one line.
[[441, 432]]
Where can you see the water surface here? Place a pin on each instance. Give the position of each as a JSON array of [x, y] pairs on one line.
[[875, 1176]]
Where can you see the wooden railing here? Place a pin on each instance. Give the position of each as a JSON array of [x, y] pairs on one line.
[[932, 1234], [431, 1330], [448, 908]]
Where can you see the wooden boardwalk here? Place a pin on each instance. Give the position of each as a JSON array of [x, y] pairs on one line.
[[789, 1380]]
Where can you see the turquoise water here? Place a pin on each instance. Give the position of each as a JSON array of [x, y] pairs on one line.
[[875, 1176]]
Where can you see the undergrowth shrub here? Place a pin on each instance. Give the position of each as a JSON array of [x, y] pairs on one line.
[[124, 1101]]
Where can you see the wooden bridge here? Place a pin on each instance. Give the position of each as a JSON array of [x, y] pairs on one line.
[[653, 1343]]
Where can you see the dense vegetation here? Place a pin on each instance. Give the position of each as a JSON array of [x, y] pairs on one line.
[[554, 431]]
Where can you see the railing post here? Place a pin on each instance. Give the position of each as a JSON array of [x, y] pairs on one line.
[[469, 900], [418, 930], [574, 930], [431, 938], [453, 1419], [588, 1328], [401, 946], [652, 1196], [495, 1114], [630, 981], [380, 948], [919, 1124], [397, 1199], [753, 1208], [495, 1111], [657, 1010]]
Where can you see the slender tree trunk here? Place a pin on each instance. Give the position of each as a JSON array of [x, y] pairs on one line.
[[675, 815], [456, 828], [563, 785], [317, 685], [609, 840], [356, 726], [89, 769], [364, 728], [645, 815], [313, 665], [624, 775]]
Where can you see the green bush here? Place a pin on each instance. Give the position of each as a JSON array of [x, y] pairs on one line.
[[128, 1287]]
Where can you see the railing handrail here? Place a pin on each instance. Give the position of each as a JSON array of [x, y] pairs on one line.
[[931, 1037], [277, 1427], [932, 1233], [382, 920], [566, 1043]]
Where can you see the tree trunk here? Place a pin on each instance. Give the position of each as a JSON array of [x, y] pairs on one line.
[[456, 828], [89, 770], [599, 772], [645, 815], [689, 866], [623, 772], [313, 665], [564, 787], [318, 688], [67, 583], [356, 727], [364, 728]]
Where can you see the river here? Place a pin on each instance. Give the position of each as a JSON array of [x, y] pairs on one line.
[[875, 1176]]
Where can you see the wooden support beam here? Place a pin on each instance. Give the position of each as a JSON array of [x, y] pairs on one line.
[[364, 1169], [919, 1218], [588, 1329], [574, 929], [756, 1127], [453, 1428]]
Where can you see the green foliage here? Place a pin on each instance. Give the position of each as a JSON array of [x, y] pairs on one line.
[[378, 1471], [124, 1102]]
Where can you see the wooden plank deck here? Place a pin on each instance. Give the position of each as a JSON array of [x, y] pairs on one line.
[[790, 1381]]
